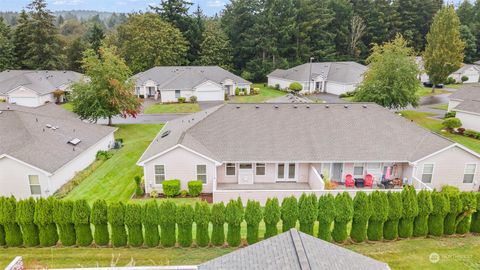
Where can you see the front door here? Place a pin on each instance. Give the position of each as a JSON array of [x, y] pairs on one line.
[[245, 174], [286, 172], [337, 170]]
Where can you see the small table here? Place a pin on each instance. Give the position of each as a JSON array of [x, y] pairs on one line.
[[359, 182]]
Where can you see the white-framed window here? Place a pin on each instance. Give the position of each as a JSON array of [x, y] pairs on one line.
[[230, 169], [260, 169], [286, 171], [281, 170], [291, 171], [245, 166], [469, 173], [177, 93], [427, 173], [358, 169], [202, 173], [159, 174], [34, 183]]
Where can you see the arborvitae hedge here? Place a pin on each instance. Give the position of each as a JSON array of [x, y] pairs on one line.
[[150, 220], [43, 218], [218, 222], [81, 219], [271, 217], [410, 211], [289, 213], [326, 215], [167, 223], [253, 216], [307, 212], [2, 235], [234, 217], [362, 210], [343, 215], [184, 218], [395, 210], [379, 204], [99, 219], [133, 220], [425, 207], [202, 219], [24, 215], [13, 234], [62, 215], [469, 203], [475, 225], [450, 223], [441, 206], [116, 218]]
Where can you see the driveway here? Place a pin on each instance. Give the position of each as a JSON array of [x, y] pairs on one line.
[[436, 99], [328, 98], [289, 98]]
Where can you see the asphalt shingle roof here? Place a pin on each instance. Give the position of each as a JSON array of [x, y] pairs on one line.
[[467, 92], [469, 106], [40, 81]]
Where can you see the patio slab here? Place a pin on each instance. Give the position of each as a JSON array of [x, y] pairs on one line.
[[264, 186]]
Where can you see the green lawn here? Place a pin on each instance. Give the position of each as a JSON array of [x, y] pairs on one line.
[[68, 106], [172, 108], [113, 180], [440, 107], [266, 93], [454, 86], [427, 91]]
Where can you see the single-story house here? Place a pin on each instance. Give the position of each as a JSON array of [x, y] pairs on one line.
[[33, 88], [472, 72], [326, 77], [466, 104], [43, 148], [265, 150], [207, 83]]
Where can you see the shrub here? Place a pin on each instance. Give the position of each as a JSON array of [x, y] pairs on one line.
[[193, 99], [116, 218], [425, 207], [103, 155], [24, 215], [450, 80], [171, 188], [234, 217], [2, 230], [362, 210], [133, 220], [167, 223], [99, 220], [475, 224], [379, 205], [237, 91], [195, 188], [256, 91], [326, 215], [184, 218], [202, 219], [464, 78], [43, 218], [62, 215], [307, 212], [271, 217], [450, 223], [450, 114], [218, 221], [150, 220], [277, 86], [225, 97], [13, 234], [81, 218], [451, 123], [343, 215], [472, 133], [138, 186], [469, 206], [441, 206], [253, 216], [295, 86], [289, 213], [183, 193], [395, 210], [154, 193], [182, 99], [410, 211]]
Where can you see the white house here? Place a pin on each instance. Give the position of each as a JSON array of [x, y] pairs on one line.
[[43, 148], [472, 72], [207, 83], [327, 77], [466, 104], [33, 88]]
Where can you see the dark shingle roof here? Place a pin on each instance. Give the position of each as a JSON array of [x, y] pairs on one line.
[[40, 81]]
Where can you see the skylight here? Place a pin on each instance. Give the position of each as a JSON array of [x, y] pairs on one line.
[[74, 141]]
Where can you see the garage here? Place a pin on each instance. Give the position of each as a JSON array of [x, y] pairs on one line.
[[25, 101], [209, 91]]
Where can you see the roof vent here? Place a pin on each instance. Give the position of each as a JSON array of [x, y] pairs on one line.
[[364, 106], [48, 126], [295, 106], [276, 106], [327, 106], [54, 128], [165, 134], [345, 106], [257, 107], [75, 141], [238, 106], [308, 106]]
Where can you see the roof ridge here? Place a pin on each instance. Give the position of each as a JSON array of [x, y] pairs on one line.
[[300, 249], [207, 113]]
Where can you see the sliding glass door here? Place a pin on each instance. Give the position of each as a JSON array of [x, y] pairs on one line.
[[286, 172]]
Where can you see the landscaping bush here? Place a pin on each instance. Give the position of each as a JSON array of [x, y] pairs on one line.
[[150, 220], [182, 99], [451, 123], [62, 215], [237, 91], [195, 188], [81, 218], [450, 80], [167, 223], [103, 155], [464, 78], [193, 99], [2, 233], [253, 216], [234, 217], [138, 186], [425, 208], [395, 210], [441, 206], [171, 188], [469, 206], [472, 133], [13, 234], [362, 210], [475, 224], [450, 114], [43, 218], [343, 215], [99, 220], [379, 205], [116, 218], [450, 223], [326, 215], [295, 86], [154, 193], [218, 221], [289, 213], [184, 216], [271, 217], [24, 215], [410, 211], [133, 220], [307, 212], [183, 193], [202, 219]]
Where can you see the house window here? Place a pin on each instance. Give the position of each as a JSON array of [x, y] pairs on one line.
[[34, 185], [245, 166], [230, 168], [358, 169], [281, 171], [291, 171], [260, 169], [177, 93], [159, 174], [427, 173], [469, 173], [202, 173]]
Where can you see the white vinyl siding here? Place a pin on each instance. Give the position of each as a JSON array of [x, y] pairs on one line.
[[202, 173], [34, 183], [159, 174], [427, 173], [469, 173]]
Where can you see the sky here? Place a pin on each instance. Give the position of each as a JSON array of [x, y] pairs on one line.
[[210, 7]]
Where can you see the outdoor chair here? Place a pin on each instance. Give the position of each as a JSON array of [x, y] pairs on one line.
[[349, 182], [368, 181]]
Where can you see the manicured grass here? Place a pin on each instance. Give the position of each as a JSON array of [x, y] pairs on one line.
[[427, 91], [113, 180], [440, 107], [68, 106], [172, 108], [454, 86], [266, 93]]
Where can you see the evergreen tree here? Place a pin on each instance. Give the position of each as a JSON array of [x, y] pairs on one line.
[[100, 222], [441, 206], [289, 213], [340, 25], [234, 215], [218, 222], [425, 207], [410, 211], [74, 54], [395, 212], [81, 218], [307, 212], [13, 234], [271, 217], [456, 207], [7, 48], [475, 224], [184, 217], [150, 220], [253, 216], [133, 220], [168, 230], [326, 215], [379, 204], [95, 37], [62, 216], [25, 213], [343, 215], [466, 13], [215, 48], [21, 36], [470, 44], [116, 218], [469, 203], [202, 219], [43, 218], [362, 210]]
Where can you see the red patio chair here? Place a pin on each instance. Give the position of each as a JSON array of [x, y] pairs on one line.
[[349, 182], [368, 181]]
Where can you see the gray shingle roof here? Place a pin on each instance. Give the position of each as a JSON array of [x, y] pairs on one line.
[[467, 92], [24, 135], [40, 81], [293, 250], [469, 106]]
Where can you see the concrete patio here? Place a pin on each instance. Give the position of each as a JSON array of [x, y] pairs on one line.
[[264, 186]]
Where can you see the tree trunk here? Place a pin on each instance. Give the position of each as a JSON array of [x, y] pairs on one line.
[[433, 88], [109, 120]]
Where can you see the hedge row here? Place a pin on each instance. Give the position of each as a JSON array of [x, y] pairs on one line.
[[377, 216]]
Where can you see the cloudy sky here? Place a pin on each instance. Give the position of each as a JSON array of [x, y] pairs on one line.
[[210, 7]]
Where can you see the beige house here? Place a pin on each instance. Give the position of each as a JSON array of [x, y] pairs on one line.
[[257, 151], [466, 104]]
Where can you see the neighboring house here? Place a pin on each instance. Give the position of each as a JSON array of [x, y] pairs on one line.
[[33, 88], [43, 148], [326, 77], [207, 83], [257, 151], [472, 72], [466, 103], [293, 250]]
